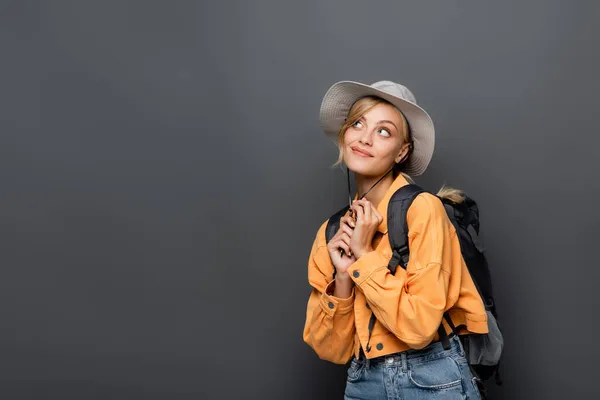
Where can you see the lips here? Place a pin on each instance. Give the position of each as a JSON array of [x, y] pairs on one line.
[[360, 152]]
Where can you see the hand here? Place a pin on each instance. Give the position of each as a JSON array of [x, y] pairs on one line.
[[341, 240], [367, 221]]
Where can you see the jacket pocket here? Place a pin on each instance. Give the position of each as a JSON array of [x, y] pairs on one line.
[[436, 374]]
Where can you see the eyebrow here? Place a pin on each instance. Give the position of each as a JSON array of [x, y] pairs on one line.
[[383, 120]]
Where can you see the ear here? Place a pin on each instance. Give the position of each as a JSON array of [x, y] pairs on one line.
[[401, 156]]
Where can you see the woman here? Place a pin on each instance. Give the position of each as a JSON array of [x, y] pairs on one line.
[[385, 138]]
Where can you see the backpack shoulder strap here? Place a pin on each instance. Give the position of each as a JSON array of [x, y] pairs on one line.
[[333, 223], [397, 225], [398, 236]]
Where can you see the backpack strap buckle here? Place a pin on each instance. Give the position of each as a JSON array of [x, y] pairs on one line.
[[399, 257]]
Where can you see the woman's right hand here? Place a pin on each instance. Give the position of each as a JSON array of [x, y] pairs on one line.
[[341, 240]]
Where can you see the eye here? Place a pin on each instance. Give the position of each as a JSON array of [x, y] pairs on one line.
[[357, 122], [388, 134]]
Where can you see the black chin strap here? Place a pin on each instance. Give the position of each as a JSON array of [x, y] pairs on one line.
[[350, 192]]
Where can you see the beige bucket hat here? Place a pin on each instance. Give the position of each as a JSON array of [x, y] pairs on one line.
[[341, 96]]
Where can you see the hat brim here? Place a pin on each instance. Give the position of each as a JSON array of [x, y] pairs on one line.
[[342, 95]]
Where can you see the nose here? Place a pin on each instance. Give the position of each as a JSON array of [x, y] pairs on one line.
[[366, 137]]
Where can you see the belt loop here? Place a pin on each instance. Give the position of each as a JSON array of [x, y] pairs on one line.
[[404, 362], [364, 357], [461, 349]]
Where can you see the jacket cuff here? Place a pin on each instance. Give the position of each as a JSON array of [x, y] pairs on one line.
[[363, 268], [332, 305], [477, 323]]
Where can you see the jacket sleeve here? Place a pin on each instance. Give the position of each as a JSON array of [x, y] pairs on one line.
[[411, 303], [329, 328]]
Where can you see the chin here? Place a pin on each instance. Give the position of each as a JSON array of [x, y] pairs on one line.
[[361, 167]]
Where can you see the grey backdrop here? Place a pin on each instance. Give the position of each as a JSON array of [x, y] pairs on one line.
[[163, 176]]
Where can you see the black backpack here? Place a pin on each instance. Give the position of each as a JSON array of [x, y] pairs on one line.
[[483, 351]]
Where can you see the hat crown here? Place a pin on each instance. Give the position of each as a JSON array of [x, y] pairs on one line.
[[395, 89]]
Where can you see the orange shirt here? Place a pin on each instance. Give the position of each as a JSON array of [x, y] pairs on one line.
[[409, 305]]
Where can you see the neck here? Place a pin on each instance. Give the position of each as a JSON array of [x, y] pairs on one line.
[[364, 183]]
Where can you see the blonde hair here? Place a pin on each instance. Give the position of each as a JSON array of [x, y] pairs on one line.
[[455, 196], [360, 108]]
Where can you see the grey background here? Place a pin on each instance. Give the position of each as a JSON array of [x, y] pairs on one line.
[[163, 176]]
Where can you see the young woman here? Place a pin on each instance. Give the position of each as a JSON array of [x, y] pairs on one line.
[[385, 138]]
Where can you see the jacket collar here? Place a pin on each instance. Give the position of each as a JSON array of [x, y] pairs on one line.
[[383, 204]]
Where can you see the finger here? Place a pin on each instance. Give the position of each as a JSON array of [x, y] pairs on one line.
[[346, 229], [341, 236], [346, 238], [348, 221], [365, 206], [349, 213], [368, 206], [377, 215], [340, 244], [353, 209], [359, 211]]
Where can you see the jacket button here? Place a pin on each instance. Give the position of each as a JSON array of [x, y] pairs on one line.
[[356, 274], [331, 305], [379, 346]]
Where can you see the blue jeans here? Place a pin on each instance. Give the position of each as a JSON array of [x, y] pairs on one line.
[[428, 373]]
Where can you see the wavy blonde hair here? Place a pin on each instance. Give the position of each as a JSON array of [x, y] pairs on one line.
[[360, 108]]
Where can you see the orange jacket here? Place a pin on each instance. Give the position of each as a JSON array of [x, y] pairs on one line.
[[409, 305]]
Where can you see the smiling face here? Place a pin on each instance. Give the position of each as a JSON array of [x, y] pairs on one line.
[[374, 139]]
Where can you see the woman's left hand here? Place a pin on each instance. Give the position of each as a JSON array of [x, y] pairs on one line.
[[367, 220]]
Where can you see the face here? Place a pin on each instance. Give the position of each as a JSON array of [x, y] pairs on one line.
[[379, 133]]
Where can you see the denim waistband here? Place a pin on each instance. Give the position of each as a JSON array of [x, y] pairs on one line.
[[431, 351]]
